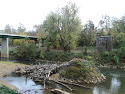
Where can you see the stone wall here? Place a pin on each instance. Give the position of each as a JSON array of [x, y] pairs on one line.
[[104, 43]]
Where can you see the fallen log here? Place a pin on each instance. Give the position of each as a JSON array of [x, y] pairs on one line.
[[63, 85], [58, 91], [74, 84]]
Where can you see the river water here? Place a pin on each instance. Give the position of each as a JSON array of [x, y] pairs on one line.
[[114, 84]]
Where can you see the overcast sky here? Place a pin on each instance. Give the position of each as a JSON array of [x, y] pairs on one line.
[[32, 12]]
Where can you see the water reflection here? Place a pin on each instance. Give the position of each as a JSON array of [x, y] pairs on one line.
[[100, 90], [115, 85], [24, 84]]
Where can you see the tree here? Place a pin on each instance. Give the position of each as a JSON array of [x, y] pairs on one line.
[[63, 26], [26, 50], [119, 24], [21, 29], [17, 42], [39, 32], [71, 26], [88, 34], [52, 27], [105, 25], [118, 29], [8, 29]]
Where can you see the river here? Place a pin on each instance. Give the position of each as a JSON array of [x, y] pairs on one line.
[[114, 84]]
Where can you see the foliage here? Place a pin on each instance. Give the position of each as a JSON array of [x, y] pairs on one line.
[[80, 70], [87, 35], [42, 54], [119, 24], [6, 90], [18, 42], [73, 72], [106, 57], [50, 25], [120, 40], [59, 56], [114, 57], [62, 27], [88, 57], [39, 32], [120, 54], [27, 50]]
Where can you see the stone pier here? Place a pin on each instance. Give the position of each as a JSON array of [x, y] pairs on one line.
[[104, 43], [5, 48]]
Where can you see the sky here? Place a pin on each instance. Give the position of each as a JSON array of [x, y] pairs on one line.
[[34, 12]]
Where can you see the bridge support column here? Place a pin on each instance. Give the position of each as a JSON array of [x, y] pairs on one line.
[[5, 48]]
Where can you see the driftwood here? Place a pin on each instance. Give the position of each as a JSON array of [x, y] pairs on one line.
[[58, 91], [74, 84], [41, 73], [63, 85]]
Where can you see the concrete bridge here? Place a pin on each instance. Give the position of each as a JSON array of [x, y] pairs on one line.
[[5, 45]]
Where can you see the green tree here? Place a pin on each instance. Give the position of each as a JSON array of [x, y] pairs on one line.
[[63, 26], [88, 34], [51, 25], [120, 40], [71, 26], [119, 24], [26, 50], [118, 29], [18, 42]]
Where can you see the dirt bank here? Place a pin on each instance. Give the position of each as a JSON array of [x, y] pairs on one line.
[[6, 69]]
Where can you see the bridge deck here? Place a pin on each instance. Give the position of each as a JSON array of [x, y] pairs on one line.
[[14, 36]]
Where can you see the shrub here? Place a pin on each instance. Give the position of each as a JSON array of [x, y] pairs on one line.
[[6, 90], [80, 70], [26, 51], [114, 57], [59, 56], [88, 57]]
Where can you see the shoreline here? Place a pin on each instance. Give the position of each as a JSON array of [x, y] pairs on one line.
[[6, 69]]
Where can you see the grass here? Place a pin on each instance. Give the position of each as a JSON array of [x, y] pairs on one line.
[[7, 62]]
